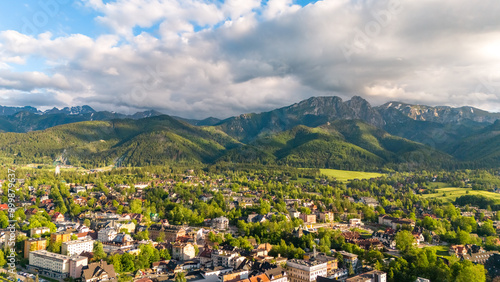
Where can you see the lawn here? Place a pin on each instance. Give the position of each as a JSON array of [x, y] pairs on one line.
[[439, 185], [451, 193], [346, 175], [441, 251], [303, 180]]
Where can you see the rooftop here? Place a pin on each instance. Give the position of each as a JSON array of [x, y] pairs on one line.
[[57, 256], [305, 262]]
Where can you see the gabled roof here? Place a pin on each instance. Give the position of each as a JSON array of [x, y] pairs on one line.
[[97, 269]]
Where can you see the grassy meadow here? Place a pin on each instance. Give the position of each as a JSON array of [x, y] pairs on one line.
[[346, 175], [451, 193]]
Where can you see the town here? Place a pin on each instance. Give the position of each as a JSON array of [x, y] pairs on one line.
[[155, 224]]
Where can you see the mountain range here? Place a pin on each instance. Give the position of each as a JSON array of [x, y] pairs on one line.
[[25, 119], [317, 132]]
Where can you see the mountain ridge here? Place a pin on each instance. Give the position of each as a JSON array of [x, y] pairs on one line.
[[319, 131]]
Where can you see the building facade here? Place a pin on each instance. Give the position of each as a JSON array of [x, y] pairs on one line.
[[34, 244], [220, 223], [39, 231], [305, 271], [60, 237], [370, 276], [99, 272], [106, 234], [308, 218], [77, 247], [183, 251], [56, 265]]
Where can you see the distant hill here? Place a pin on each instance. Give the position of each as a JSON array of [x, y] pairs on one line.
[[204, 122], [324, 132], [25, 119], [343, 144], [155, 140], [7, 111]]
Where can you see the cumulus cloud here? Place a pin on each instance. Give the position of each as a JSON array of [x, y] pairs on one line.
[[196, 58]]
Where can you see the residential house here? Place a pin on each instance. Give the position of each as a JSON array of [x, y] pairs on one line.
[[122, 242], [350, 259], [226, 258], [277, 274], [183, 251], [99, 271], [369, 201], [355, 222], [326, 216], [369, 244], [457, 250], [387, 237], [220, 223], [294, 213], [393, 222], [57, 217], [106, 234]]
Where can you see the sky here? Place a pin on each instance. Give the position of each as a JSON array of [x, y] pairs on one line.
[[201, 58]]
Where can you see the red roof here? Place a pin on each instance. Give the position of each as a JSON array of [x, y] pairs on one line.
[[56, 215], [4, 207]]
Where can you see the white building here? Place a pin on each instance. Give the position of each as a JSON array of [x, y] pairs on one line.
[[56, 265], [220, 223], [183, 251], [226, 258], [303, 270], [77, 247], [355, 222], [294, 213], [39, 231], [106, 234]]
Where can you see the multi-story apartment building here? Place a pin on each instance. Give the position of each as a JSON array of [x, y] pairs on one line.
[[326, 216], [294, 213], [39, 231], [225, 258], [394, 222], [331, 262], [77, 247], [308, 218], [106, 234], [173, 232], [350, 259], [129, 226], [60, 237], [304, 270], [183, 251], [169, 233], [34, 244], [56, 265]]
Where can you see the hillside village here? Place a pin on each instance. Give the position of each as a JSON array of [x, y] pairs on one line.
[[194, 225]]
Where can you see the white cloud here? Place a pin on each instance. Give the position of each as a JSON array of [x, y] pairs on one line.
[[207, 58]]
